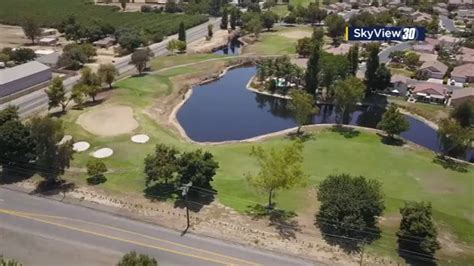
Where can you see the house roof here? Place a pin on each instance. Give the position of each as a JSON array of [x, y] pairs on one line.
[[341, 49], [437, 65], [431, 88], [49, 59], [466, 70], [448, 39], [461, 93], [399, 78], [423, 47], [432, 41], [21, 71]]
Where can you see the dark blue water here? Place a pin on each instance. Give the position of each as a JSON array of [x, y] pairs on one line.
[[233, 48], [225, 110]]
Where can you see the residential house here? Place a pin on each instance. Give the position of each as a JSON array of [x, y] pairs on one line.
[[466, 56], [424, 48], [441, 11], [460, 96], [420, 16], [463, 73], [48, 41], [465, 13], [340, 50], [395, 3], [434, 69], [105, 42], [448, 40], [50, 60], [18, 78], [430, 92], [406, 10], [399, 84], [424, 57]]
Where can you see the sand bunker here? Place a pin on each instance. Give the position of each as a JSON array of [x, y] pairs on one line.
[[142, 138], [80, 146], [103, 153], [108, 121]]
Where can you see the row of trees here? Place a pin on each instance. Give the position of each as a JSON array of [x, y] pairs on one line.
[[456, 132], [89, 85], [33, 147], [18, 55]]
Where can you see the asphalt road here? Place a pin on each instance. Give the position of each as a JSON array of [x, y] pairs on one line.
[[448, 24], [38, 101], [41, 231]]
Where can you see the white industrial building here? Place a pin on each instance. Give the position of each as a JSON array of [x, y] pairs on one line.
[[22, 77]]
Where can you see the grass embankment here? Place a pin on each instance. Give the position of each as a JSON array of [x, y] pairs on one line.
[[280, 40], [406, 174], [432, 112]]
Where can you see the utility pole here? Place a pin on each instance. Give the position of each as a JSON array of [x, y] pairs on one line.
[[184, 192]]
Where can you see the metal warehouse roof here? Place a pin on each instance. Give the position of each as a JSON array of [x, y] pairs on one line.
[[14, 73]]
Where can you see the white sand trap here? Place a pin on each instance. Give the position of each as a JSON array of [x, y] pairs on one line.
[[142, 138], [65, 139], [103, 153], [80, 146], [109, 121]]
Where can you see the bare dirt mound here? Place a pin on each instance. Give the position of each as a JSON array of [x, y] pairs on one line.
[[108, 121]]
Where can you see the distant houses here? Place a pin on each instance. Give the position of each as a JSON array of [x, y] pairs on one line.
[[462, 95], [430, 93], [463, 73], [433, 69]]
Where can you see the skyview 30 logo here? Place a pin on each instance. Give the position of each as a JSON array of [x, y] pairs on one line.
[[385, 34]]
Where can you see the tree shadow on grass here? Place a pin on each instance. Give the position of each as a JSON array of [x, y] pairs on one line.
[[448, 163], [281, 220], [14, 175], [88, 104], [301, 136], [412, 256], [161, 192], [346, 132], [196, 200], [392, 141], [347, 238]]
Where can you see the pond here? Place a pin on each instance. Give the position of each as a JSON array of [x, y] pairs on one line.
[[232, 48], [225, 110]]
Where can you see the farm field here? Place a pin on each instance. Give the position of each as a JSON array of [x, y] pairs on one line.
[[406, 174], [50, 13]]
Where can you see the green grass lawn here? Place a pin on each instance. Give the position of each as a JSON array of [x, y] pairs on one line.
[[406, 174], [280, 10], [401, 71], [281, 40]]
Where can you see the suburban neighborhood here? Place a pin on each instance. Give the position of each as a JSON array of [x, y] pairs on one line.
[[241, 132]]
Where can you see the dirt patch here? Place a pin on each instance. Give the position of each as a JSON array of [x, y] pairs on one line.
[[108, 121], [295, 34], [220, 38], [13, 36]]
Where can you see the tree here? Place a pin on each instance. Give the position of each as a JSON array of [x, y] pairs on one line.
[[16, 145], [5, 262], [22, 55], [176, 45], [417, 233], [333, 68], [134, 259], [268, 19], [234, 16], [255, 26], [215, 7], [313, 68], [107, 73], [31, 29], [198, 167], [302, 106], [140, 59], [162, 165], [315, 14], [182, 32], [76, 55], [129, 39], [393, 122], [464, 113], [372, 66], [349, 206], [57, 94], [225, 19], [304, 46], [353, 57], [8, 114], [123, 4], [335, 26], [209, 31], [77, 94], [454, 137], [411, 60], [71, 28], [91, 83], [318, 35], [171, 6], [96, 170], [382, 78], [4, 58], [347, 93], [279, 169], [433, 25], [52, 158]]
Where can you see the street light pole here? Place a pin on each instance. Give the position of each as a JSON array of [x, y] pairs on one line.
[[185, 191]]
